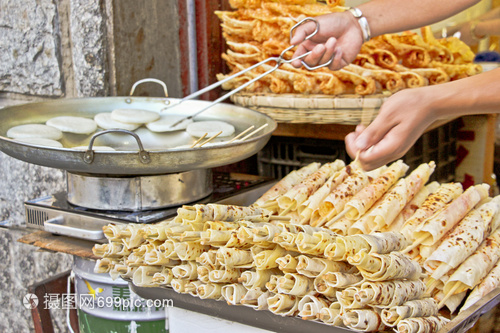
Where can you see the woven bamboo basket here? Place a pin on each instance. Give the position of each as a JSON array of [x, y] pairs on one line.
[[315, 109]]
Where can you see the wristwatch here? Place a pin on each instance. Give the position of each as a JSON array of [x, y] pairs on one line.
[[363, 22]]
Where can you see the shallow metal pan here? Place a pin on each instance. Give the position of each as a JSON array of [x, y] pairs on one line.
[[159, 155]]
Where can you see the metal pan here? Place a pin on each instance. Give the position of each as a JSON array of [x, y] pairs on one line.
[[152, 154]]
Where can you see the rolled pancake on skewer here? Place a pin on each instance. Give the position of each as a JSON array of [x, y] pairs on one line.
[[335, 202], [451, 302], [156, 231], [489, 283], [188, 270], [203, 273], [122, 271], [363, 320], [272, 284], [216, 212], [379, 242], [434, 202], [189, 250], [283, 305], [396, 199], [115, 232], [143, 276], [435, 227], [341, 227], [417, 308], [233, 293], [347, 298], [295, 284], [230, 257], [251, 298], [192, 287], [418, 200], [104, 265], [163, 278], [310, 306], [285, 184], [320, 286], [476, 267], [422, 324], [314, 244], [411, 207], [210, 291], [389, 293], [332, 315], [215, 238], [287, 239], [287, 264], [462, 240], [367, 196], [209, 259], [267, 259], [256, 278], [308, 209], [313, 267], [224, 275], [167, 249], [341, 280], [298, 194], [382, 267], [179, 285], [265, 232], [156, 258]]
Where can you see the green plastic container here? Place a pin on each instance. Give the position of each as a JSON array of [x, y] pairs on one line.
[[109, 306]]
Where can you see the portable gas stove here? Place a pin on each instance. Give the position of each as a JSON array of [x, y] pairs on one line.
[[83, 210]]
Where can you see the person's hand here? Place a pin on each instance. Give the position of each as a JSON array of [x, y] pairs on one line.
[[466, 34], [401, 121], [339, 35]]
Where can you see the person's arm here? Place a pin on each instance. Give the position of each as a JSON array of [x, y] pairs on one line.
[[404, 116], [341, 35], [390, 16]]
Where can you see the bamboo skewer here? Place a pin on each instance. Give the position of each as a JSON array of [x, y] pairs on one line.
[[449, 294], [415, 244], [257, 130], [241, 134], [210, 139], [288, 209], [199, 139]]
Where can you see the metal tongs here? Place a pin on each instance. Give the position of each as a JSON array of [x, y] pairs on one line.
[[279, 60]]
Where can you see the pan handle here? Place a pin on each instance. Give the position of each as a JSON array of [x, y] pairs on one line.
[[88, 157], [149, 80]]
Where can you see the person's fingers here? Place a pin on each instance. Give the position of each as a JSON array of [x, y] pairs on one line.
[[360, 128], [391, 147], [337, 62], [372, 134], [349, 144], [316, 55], [329, 53], [300, 34]]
